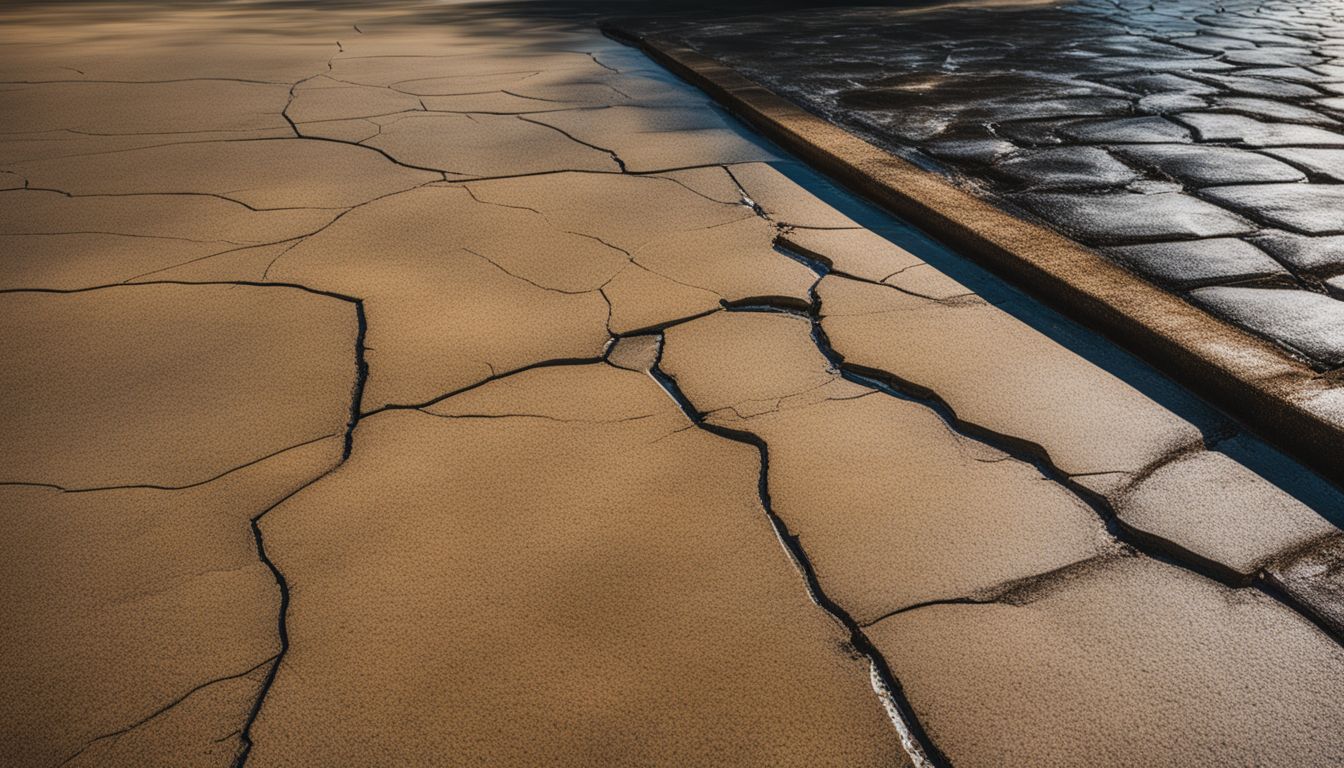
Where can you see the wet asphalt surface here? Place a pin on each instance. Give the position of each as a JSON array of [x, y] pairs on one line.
[[1198, 143]]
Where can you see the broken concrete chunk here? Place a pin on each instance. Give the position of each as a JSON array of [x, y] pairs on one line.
[[657, 139], [487, 145], [783, 200], [736, 261], [342, 101], [548, 393], [858, 252], [635, 353], [456, 290], [624, 210], [1123, 662]]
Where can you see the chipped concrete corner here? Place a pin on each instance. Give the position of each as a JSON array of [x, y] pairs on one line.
[[398, 388]]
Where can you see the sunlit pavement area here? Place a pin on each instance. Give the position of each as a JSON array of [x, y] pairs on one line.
[[448, 385]]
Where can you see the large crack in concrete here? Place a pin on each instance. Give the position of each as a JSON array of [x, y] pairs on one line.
[[922, 751]]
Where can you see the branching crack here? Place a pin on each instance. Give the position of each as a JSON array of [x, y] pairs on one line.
[[916, 742], [615, 157], [167, 707]]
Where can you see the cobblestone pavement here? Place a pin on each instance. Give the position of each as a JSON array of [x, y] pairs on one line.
[[400, 385], [1197, 142]]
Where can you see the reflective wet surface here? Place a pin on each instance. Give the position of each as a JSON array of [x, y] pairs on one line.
[[1198, 143]]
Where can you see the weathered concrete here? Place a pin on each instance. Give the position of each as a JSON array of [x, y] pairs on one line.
[[378, 464]]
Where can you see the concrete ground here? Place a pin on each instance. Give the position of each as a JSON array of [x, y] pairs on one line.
[[422, 385]]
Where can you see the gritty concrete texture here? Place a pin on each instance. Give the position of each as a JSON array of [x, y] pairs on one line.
[[1085, 419], [938, 497], [607, 493], [168, 385], [1222, 511], [412, 383], [1315, 574], [999, 684], [169, 604]]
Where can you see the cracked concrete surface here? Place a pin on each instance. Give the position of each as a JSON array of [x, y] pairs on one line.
[[404, 386]]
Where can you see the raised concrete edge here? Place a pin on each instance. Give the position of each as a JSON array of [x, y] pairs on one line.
[[1283, 400]]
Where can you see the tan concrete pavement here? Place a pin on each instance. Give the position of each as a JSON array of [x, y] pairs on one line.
[[414, 385]]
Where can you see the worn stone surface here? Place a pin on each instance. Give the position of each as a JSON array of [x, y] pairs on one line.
[[607, 493], [1123, 217], [1327, 164], [1308, 322], [1066, 168], [1312, 209], [1202, 166], [1199, 262], [1311, 255], [1167, 661]]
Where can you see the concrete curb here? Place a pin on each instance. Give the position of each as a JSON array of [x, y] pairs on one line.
[[1283, 400]]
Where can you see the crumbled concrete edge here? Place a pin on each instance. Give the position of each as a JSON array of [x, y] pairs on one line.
[[1283, 400]]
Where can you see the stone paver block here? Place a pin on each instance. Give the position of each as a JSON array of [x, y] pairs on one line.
[[1189, 264], [1312, 209], [1200, 165], [1307, 322], [1121, 217]]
